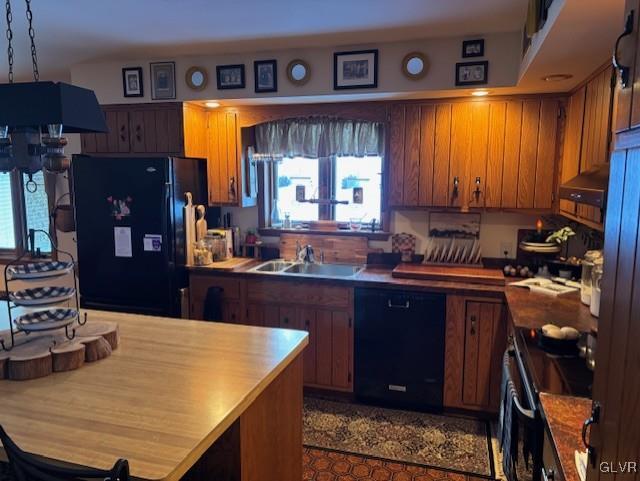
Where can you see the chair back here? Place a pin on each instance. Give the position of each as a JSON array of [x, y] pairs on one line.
[[27, 467]]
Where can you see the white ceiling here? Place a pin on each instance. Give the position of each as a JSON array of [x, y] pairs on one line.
[[74, 31]]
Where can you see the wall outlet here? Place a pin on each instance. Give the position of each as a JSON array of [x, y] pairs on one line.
[[506, 249]]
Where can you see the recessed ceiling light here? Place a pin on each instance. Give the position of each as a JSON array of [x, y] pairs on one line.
[[212, 105], [480, 93], [557, 77]]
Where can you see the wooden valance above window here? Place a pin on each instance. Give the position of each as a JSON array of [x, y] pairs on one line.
[[317, 137]]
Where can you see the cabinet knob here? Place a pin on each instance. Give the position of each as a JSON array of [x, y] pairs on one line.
[[232, 187], [477, 192], [473, 325], [285, 320], [456, 184], [307, 323]]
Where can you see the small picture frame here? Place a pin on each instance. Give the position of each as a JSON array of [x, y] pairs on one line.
[[163, 80], [472, 73], [473, 48], [230, 77], [355, 70], [132, 82], [265, 74]]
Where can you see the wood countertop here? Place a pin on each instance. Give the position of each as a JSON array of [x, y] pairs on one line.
[[533, 310], [371, 276], [161, 400], [564, 416]]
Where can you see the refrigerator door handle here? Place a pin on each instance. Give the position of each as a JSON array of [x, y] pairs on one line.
[[166, 216]]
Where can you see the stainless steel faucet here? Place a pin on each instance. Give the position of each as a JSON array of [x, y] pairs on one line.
[[306, 255]]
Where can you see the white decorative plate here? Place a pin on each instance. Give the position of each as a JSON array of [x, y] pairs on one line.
[[39, 270], [46, 320], [39, 296]]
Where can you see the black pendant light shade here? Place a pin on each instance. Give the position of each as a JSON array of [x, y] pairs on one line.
[[40, 104]]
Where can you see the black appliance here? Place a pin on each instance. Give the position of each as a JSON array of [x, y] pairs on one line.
[[399, 347], [534, 370], [130, 230]]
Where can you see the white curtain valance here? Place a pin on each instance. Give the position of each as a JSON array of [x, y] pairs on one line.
[[320, 137]]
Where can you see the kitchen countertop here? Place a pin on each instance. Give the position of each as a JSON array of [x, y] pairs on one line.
[[169, 391], [371, 276], [564, 416], [533, 310]]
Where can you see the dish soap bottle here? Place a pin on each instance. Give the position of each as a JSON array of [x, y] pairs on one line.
[[276, 215]]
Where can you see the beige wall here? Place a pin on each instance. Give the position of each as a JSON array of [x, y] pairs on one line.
[[502, 52], [498, 230]]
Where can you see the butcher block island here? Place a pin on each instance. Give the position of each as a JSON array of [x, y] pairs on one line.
[[179, 399]]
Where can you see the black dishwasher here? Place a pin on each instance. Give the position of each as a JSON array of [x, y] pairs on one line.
[[399, 347]]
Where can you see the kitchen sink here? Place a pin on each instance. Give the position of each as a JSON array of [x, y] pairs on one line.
[[324, 270], [273, 266]]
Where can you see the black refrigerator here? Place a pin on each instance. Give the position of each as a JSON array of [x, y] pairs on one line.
[[130, 230]]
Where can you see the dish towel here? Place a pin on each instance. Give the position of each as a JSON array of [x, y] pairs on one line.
[[581, 458], [213, 304]]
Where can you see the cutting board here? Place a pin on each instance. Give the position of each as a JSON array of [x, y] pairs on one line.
[[474, 275], [229, 264]]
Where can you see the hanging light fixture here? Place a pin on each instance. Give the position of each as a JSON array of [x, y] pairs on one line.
[[35, 114]]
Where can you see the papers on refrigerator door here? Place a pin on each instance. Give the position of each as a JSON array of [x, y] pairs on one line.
[[152, 242], [122, 241]]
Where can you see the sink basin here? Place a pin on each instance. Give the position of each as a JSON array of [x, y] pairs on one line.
[[273, 266], [328, 270]]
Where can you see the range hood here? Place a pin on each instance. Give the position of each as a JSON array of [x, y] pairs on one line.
[[589, 187]]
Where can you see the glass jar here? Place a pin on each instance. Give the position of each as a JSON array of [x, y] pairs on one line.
[[596, 286], [201, 253], [218, 248], [585, 282]]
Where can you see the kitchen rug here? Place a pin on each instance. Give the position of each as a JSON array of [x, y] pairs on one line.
[[455, 444]]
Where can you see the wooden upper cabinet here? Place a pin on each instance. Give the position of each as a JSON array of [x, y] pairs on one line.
[[170, 128], [470, 154], [587, 137], [223, 133]]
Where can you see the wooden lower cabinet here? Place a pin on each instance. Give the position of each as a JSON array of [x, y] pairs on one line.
[[475, 342], [325, 312]]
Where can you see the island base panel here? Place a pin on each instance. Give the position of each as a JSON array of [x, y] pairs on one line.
[[265, 443]]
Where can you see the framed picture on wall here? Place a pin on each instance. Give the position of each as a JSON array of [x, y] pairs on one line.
[[355, 70], [230, 76], [163, 80], [473, 48], [132, 82], [266, 75], [472, 73]]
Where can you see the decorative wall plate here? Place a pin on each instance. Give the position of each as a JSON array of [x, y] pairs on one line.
[[298, 72], [39, 270], [415, 65], [39, 296], [46, 320], [197, 78]]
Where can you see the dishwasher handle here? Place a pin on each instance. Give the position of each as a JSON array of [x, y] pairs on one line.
[[398, 306]]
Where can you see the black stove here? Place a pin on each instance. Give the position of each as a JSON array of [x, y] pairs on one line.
[[552, 373]]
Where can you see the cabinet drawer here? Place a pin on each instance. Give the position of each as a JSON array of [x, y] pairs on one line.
[[307, 293], [200, 283]]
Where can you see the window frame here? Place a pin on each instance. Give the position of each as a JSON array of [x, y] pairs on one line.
[[20, 230], [326, 189]]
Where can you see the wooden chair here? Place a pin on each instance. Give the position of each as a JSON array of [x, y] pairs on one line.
[[26, 467]]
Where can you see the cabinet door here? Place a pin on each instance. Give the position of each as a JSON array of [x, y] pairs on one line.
[[255, 314], [477, 169], [596, 132], [334, 349], [628, 98], [461, 118], [572, 144], [287, 317], [306, 321], [223, 158], [137, 131], [396, 156], [232, 312], [481, 347]]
